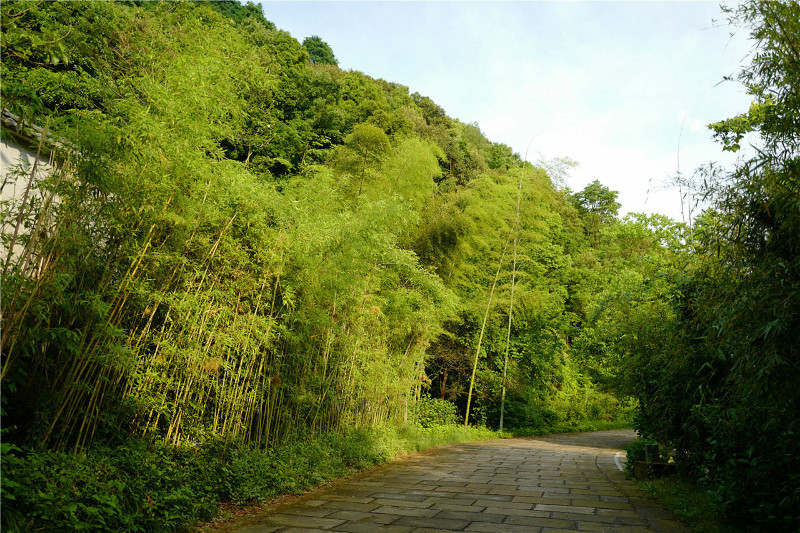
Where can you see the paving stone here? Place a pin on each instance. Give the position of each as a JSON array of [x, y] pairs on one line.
[[346, 498], [541, 522], [529, 499], [619, 513], [366, 527], [503, 504], [404, 511], [302, 521], [581, 517], [609, 505], [429, 493], [431, 530], [451, 487], [487, 527], [433, 523], [471, 516], [565, 508], [485, 497], [368, 483], [518, 512], [360, 516], [552, 501], [351, 506], [302, 530], [307, 510], [407, 496], [405, 504], [257, 528], [314, 503], [455, 507], [510, 491], [606, 528]]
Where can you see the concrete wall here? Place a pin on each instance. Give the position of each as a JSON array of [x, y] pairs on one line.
[[16, 164]]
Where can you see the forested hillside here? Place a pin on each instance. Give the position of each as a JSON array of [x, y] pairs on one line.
[[245, 247]]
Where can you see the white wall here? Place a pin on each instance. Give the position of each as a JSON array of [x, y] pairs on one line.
[[16, 163]]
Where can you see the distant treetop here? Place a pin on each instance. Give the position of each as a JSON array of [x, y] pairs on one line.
[[319, 50], [236, 11]]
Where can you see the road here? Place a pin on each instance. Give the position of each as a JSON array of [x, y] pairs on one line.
[[558, 483]]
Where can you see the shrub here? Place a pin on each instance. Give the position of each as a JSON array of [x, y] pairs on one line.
[[133, 487], [435, 412]]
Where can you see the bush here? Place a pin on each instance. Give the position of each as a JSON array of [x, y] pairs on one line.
[[636, 452], [431, 412], [134, 487]]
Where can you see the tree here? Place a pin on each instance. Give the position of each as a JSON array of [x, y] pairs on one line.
[[363, 151], [598, 199], [238, 12], [319, 51], [598, 205]]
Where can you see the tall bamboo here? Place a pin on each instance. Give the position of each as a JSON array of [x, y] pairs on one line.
[[513, 284], [480, 337]]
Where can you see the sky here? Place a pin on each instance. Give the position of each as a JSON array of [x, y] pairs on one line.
[[624, 88]]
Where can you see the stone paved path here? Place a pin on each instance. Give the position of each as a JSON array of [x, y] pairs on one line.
[[548, 484]]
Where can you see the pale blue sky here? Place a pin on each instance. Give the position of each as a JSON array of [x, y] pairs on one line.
[[606, 83]]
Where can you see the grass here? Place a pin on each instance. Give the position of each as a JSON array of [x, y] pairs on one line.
[[574, 427], [689, 503]]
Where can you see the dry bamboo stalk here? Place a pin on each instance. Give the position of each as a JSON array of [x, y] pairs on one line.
[[24, 261], [251, 405], [81, 364]]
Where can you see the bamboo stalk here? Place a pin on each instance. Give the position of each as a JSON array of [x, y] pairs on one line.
[[480, 337], [513, 285]]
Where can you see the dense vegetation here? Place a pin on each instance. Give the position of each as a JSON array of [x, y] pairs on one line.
[[243, 246], [717, 372]]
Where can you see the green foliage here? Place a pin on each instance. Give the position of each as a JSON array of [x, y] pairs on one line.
[[132, 487], [690, 503], [360, 158], [319, 51], [572, 427], [598, 205], [714, 370], [239, 12], [597, 199], [430, 412], [636, 451]]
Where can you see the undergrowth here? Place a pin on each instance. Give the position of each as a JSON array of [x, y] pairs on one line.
[[690, 503], [149, 487], [573, 427]]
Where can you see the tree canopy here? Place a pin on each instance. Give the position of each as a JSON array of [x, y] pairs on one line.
[[319, 51]]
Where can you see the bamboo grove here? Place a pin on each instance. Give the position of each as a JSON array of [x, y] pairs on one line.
[[237, 241]]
